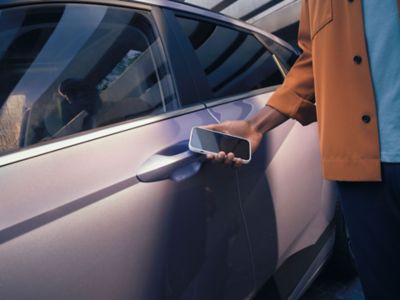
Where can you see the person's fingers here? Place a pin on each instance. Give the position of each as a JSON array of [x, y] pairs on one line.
[[229, 158], [210, 156], [220, 156], [225, 158], [238, 162], [221, 127], [211, 127]]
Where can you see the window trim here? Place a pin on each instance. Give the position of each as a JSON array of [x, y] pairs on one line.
[[158, 23], [242, 96], [279, 61], [191, 84], [281, 68], [117, 3], [217, 22]]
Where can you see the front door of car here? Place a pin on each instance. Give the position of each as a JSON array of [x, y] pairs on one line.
[[104, 201], [128, 215]]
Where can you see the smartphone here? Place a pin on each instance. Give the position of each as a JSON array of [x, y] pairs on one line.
[[208, 141]]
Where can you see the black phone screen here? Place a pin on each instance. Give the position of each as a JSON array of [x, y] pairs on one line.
[[215, 142]]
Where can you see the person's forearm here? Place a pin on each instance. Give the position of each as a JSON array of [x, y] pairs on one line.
[[266, 119]]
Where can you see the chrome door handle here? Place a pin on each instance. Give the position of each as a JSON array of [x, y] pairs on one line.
[[177, 167]]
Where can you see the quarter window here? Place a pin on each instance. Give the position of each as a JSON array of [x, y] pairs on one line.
[[233, 61], [286, 56], [70, 68]]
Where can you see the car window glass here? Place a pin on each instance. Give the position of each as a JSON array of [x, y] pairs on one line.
[[286, 56], [233, 61], [70, 68]]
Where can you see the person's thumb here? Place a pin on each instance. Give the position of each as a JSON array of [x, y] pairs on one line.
[[215, 127]]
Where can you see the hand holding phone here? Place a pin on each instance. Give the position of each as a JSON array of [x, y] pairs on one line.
[[207, 141]]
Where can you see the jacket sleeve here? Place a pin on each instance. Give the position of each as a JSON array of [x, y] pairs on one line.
[[295, 98]]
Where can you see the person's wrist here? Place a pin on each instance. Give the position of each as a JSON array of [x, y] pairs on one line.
[[266, 119], [254, 126]]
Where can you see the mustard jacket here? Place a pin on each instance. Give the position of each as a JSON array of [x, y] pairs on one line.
[[331, 83]]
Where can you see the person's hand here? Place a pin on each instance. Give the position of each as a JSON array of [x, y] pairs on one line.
[[251, 129], [240, 128]]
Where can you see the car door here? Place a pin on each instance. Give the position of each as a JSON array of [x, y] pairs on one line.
[[100, 197], [282, 191]]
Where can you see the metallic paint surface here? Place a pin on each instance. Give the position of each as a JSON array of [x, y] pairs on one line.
[[164, 239], [287, 203]]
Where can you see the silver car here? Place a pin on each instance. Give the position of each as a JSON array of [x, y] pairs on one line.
[[100, 197]]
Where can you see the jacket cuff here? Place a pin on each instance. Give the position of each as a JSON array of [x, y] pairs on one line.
[[293, 106]]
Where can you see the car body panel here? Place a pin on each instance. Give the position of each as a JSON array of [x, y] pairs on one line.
[[77, 223], [287, 203]]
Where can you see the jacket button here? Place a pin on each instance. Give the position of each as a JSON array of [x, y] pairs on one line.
[[366, 119], [357, 59]]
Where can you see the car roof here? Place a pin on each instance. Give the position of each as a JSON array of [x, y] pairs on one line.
[[184, 7]]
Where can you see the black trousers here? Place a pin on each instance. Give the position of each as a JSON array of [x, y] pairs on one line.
[[372, 214]]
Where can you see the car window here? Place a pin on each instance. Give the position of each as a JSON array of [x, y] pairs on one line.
[[233, 61], [70, 68], [286, 56]]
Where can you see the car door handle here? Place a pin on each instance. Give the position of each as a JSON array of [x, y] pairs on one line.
[[167, 164]]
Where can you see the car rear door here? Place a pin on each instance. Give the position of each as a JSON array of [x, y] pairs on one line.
[[100, 197], [281, 190]]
